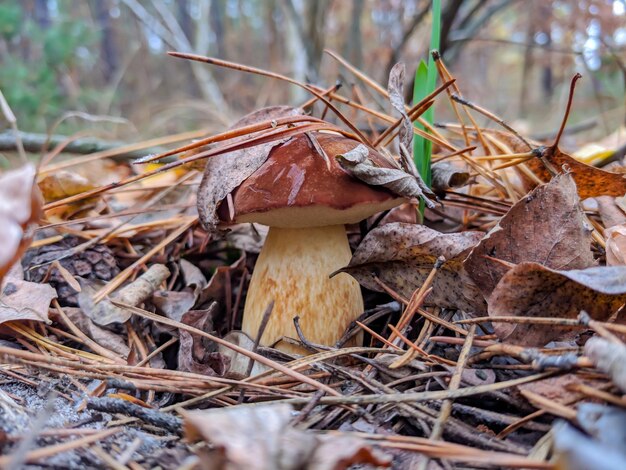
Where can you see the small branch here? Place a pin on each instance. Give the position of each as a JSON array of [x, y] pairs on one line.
[[150, 416], [29, 142], [10, 117]]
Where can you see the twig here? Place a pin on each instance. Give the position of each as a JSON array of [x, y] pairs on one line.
[[10, 117], [150, 416], [455, 381]]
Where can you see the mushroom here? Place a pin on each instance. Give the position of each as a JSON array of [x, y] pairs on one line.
[[306, 199]]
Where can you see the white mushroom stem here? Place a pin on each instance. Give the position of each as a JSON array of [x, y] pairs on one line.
[[293, 270]]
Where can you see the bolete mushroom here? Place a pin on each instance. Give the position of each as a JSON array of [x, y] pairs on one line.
[[306, 199]]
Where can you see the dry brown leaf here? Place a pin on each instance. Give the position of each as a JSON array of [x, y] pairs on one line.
[[446, 175], [197, 354], [135, 293], [20, 210], [105, 338], [547, 226], [559, 388], [402, 256], [615, 245], [395, 89], [357, 163], [224, 173], [221, 282], [532, 290], [610, 212], [174, 304], [239, 363], [24, 300], [193, 276], [260, 438], [247, 237], [590, 181]]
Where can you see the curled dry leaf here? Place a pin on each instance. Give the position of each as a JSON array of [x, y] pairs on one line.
[[610, 358], [224, 173], [357, 163], [197, 354], [174, 304], [247, 237], [135, 293], [547, 226], [610, 211], [533, 290], [446, 175], [260, 438], [395, 88], [239, 363], [615, 245], [402, 256], [23, 300], [20, 210], [105, 338]]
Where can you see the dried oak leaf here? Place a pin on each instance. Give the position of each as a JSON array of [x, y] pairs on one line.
[[590, 181], [402, 255], [533, 290], [224, 173], [20, 210], [260, 438], [24, 300], [398, 181], [547, 226]]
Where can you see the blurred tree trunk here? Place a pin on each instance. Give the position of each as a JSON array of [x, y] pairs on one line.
[[353, 48], [108, 50], [169, 31], [476, 19], [42, 13], [448, 16], [216, 17], [184, 18], [273, 35], [296, 50], [188, 27], [305, 43], [397, 52], [316, 35], [527, 64], [545, 10]]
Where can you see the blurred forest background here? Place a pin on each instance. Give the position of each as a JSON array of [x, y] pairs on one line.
[[100, 66]]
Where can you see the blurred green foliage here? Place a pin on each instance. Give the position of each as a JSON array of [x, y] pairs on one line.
[[40, 64]]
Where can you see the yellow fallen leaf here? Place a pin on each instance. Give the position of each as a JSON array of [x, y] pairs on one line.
[[63, 184], [592, 154]]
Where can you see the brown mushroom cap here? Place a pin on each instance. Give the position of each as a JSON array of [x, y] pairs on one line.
[[296, 187]]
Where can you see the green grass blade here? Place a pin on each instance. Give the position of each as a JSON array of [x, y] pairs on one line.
[[425, 79]]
